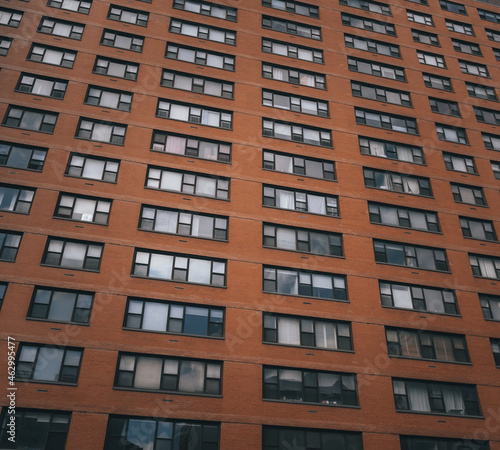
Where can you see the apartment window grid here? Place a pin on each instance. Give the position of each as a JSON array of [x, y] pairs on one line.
[[30, 119], [437, 82], [418, 17], [471, 68], [459, 163], [484, 266], [207, 9], [186, 112], [478, 229], [21, 156], [496, 53], [116, 68], [481, 91], [52, 55], [486, 115], [199, 56], [83, 208], [62, 28], [10, 17], [293, 76], [372, 46], [471, 195], [459, 27], [298, 165], [304, 105], [466, 47], [99, 131], [492, 35], [490, 16], [391, 150], [72, 254], [128, 15], [108, 98], [79, 6], [387, 121], [415, 442], [17, 199], [92, 167], [5, 43], [490, 305], [495, 167], [431, 59], [457, 8], [125, 41], [420, 2], [425, 38], [290, 27], [193, 83], [40, 85], [296, 132], [292, 51], [445, 107], [9, 245], [200, 31], [380, 93], [451, 134], [491, 141], [368, 5], [303, 9], [403, 217], [362, 23], [376, 69], [397, 182]]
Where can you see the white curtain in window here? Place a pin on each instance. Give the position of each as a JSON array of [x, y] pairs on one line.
[[147, 373], [325, 334], [411, 185], [487, 267], [409, 344], [175, 145], [433, 301], [444, 348], [285, 238], [199, 271], [202, 226], [171, 181], [287, 282], [417, 220], [73, 255], [453, 400], [93, 169], [285, 199], [377, 148], [417, 396], [288, 331], [283, 163], [166, 221], [215, 61], [402, 297], [404, 153], [316, 204], [155, 316]]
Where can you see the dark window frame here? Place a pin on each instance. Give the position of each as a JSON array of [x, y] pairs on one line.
[[105, 172], [92, 262], [8, 249], [47, 121]]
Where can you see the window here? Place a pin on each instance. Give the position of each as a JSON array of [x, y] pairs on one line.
[[397, 182], [496, 52], [305, 201], [71, 254], [309, 386], [177, 267], [472, 195], [21, 156], [289, 27], [81, 6], [491, 141], [452, 7], [376, 26], [289, 281], [431, 59], [371, 45], [451, 134], [5, 43], [380, 93], [487, 115], [485, 266], [179, 144], [481, 91], [400, 216], [168, 374], [425, 38], [493, 35], [437, 82], [478, 229], [490, 304], [459, 27], [292, 51], [391, 150], [207, 9], [92, 167], [418, 17], [398, 254], [418, 298], [10, 17], [388, 121], [376, 69], [473, 69], [38, 362], [40, 85], [302, 240], [187, 112], [16, 199], [54, 56], [108, 98], [490, 16], [292, 6], [307, 332], [420, 442], [201, 57], [368, 5], [192, 183], [298, 165], [296, 132], [83, 208], [495, 348], [30, 119], [96, 130], [198, 84], [466, 47], [9, 245], [184, 223], [128, 15], [459, 163], [305, 105], [116, 68], [202, 31], [125, 41], [60, 305], [420, 2], [62, 28], [424, 344], [177, 318], [157, 434], [446, 107], [36, 429], [293, 76], [436, 397], [495, 166], [3, 288]]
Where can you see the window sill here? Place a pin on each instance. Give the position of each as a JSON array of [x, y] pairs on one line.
[[306, 296], [193, 123], [189, 157], [21, 168], [472, 204], [14, 212], [298, 112], [197, 93], [100, 142], [107, 107], [462, 173], [121, 48], [431, 360], [39, 319], [413, 268], [182, 235], [406, 228], [423, 312], [301, 175], [157, 391], [304, 253], [55, 383], [394, 160], [399, 192], [177, 281], [38, 95], [91, 179], [302, 212], [388, 129], [70, 268], [384, 101], [425, 413], [482, 240], [486, 278], [27, 129], [79, 221], [59, 36], [170, 333], [308, 348], [310, 403], [297, 142], [190, 195]]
